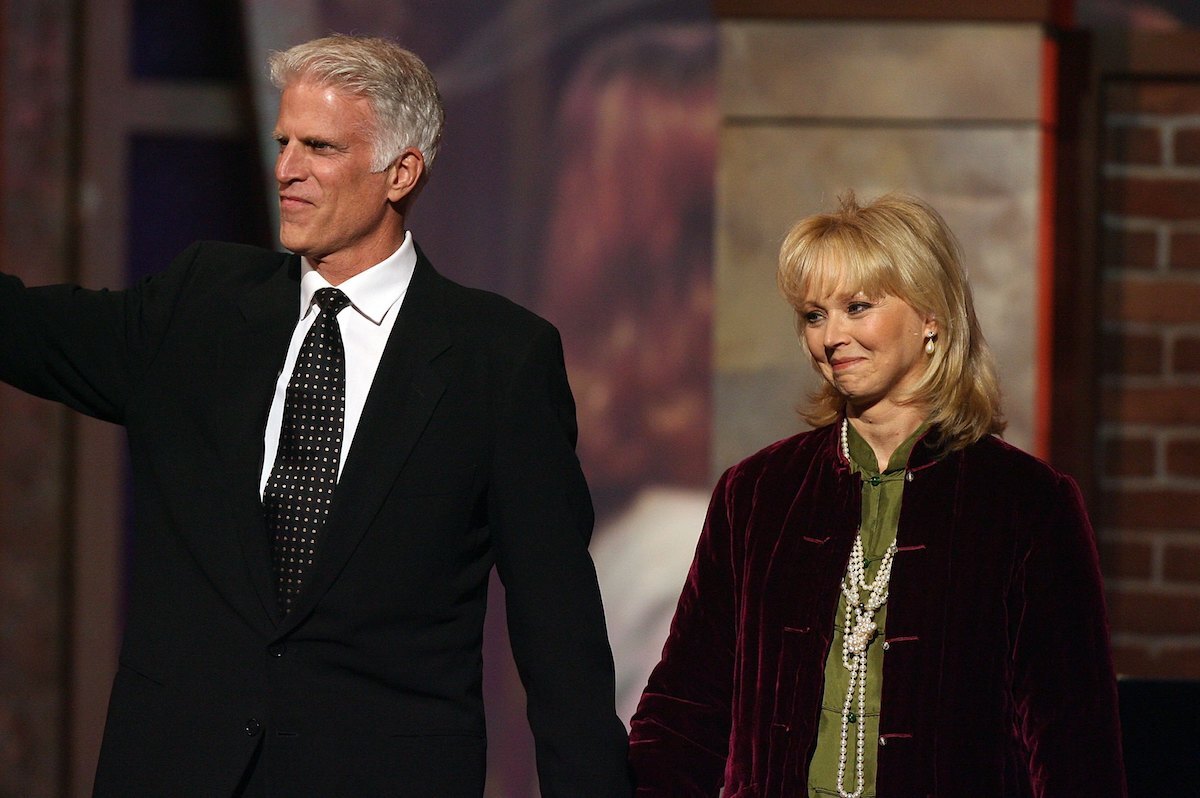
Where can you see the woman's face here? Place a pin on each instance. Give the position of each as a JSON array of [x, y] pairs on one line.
[[871, 349]]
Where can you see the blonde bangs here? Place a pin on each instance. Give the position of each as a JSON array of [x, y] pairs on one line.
[[822, 256]]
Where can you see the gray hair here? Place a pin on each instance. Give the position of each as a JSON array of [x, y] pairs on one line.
[[397, 84]]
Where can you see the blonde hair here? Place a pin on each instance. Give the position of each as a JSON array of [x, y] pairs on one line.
[[397, 84], [900, 246]]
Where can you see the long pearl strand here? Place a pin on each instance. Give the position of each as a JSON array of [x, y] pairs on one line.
[[857, 633]]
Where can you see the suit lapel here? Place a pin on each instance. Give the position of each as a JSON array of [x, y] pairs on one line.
[[403, 396], [254, 353]]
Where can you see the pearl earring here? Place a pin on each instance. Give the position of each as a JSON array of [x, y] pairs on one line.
[[929, 336]]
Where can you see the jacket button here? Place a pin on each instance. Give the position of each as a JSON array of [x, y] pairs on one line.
[[882, 742], [277, 649], [253, 727]]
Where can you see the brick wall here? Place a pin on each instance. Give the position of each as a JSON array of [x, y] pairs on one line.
[[1148, 514]]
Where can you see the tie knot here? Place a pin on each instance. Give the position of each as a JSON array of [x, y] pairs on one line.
[[331, 300]]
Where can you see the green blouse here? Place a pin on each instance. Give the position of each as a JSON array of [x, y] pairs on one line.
[[881, 497]]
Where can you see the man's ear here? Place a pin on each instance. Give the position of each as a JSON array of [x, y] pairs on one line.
[[405, 173]]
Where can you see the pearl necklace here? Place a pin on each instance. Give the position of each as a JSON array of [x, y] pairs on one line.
[[857, 634]]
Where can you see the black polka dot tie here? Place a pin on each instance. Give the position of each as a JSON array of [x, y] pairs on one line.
[[299, 491]]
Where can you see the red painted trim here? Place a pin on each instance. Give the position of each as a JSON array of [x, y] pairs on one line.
[[1047, 199]]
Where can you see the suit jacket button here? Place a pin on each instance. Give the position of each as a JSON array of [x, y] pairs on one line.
[[253, 727], [277, 649]]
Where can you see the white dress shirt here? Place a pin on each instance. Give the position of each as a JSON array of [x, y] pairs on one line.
[[375, 297]]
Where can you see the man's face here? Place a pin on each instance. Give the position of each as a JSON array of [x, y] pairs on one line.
[[332, 207]]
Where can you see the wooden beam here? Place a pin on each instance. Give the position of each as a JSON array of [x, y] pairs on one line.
[[1057, 12]]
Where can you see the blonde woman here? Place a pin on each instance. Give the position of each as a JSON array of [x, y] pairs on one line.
[[896, 603]]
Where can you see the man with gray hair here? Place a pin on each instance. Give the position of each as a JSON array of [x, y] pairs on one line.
[[330, 451]]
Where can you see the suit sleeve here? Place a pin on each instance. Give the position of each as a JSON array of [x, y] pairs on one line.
[[679, 740], [541, 517], [1063, 684], [86, 349]]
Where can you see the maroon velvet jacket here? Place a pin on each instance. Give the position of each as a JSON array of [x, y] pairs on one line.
[[998, 679]]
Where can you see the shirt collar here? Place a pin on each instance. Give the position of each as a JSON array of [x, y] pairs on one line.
[[863, 456], [372, 292]]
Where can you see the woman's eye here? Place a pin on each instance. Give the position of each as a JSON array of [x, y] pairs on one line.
[[857, 307], [812, 317]]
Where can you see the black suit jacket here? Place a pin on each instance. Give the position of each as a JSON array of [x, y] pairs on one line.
[[464, 459]]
